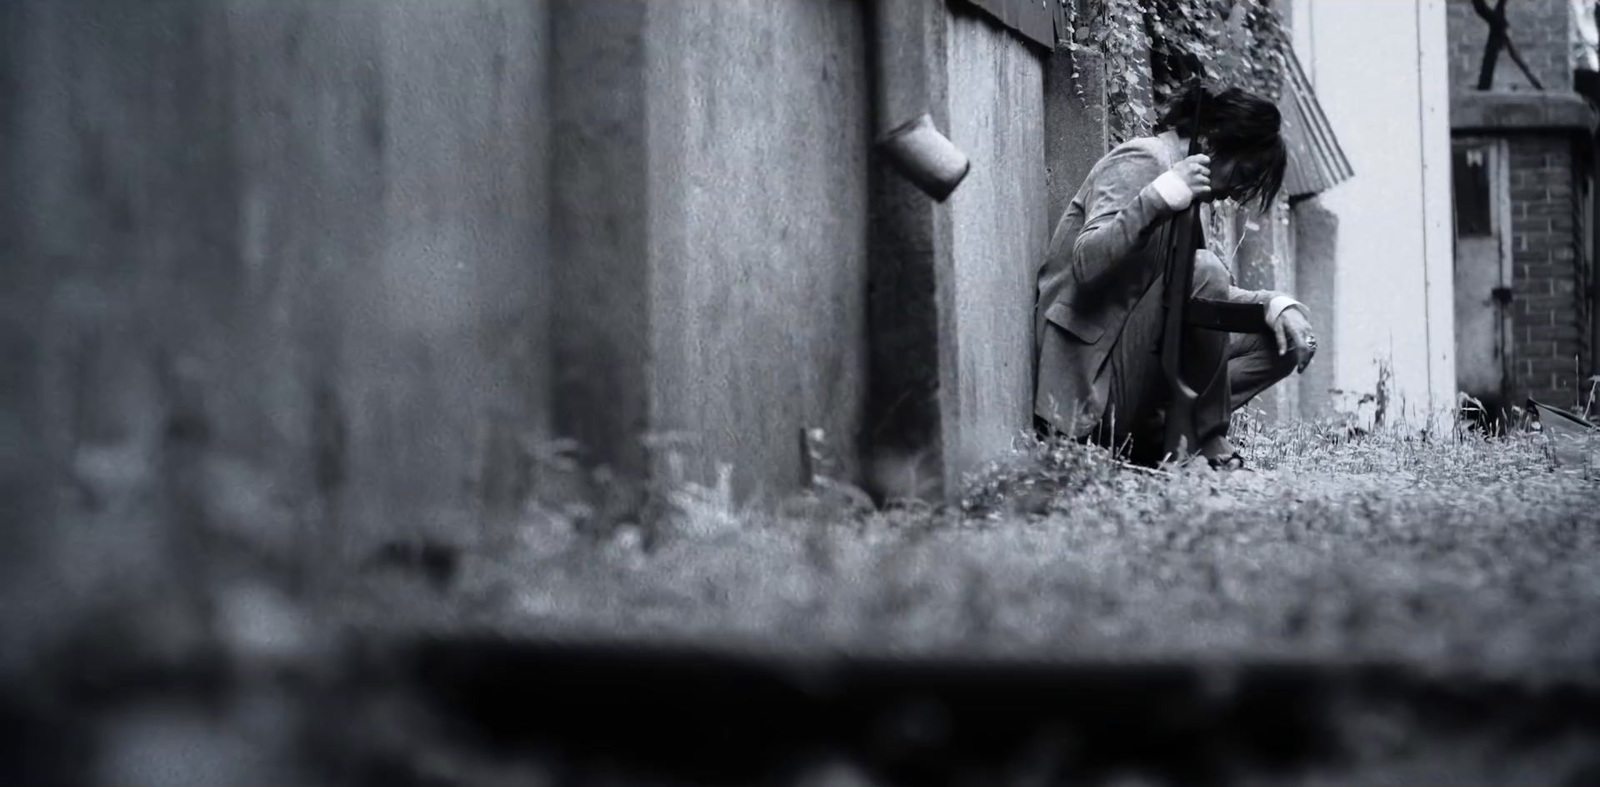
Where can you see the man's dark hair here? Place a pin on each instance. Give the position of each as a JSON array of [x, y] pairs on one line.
[[1237, 125]]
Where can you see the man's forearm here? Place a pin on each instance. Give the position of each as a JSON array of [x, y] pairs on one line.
[[1275, 302]]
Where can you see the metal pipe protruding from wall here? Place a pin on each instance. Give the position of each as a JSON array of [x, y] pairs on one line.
[[925, 157], [906, 132]]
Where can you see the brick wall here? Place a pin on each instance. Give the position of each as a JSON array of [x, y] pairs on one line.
[[1546, 304], [1540, 30], [1547, 310]]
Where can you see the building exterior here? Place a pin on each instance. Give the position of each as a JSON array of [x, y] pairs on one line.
[[308, 275], [311, 275], [1523, 165], [1374, 257]]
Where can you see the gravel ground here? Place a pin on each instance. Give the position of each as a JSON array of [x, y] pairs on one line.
[[1374, 609], [1458, 555], [1377, 609]]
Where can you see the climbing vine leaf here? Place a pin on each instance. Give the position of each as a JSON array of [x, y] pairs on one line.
[[1147, 48]]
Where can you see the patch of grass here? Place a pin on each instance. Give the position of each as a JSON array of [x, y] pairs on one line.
[[1452, 551]]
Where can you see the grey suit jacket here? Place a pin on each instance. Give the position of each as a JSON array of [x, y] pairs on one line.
[[1107, 250]]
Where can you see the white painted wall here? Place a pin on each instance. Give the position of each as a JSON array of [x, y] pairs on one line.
[[1380, 70]]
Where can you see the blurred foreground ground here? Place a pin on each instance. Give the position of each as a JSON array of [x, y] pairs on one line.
[[1471, 554], [1392, 609]]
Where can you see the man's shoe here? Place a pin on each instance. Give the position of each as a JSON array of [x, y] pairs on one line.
[[1233, 461], [1221, 455]]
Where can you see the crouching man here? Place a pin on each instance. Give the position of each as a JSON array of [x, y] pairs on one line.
[[1098, 317]]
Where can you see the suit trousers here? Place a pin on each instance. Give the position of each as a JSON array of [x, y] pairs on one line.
[[1227, 370]]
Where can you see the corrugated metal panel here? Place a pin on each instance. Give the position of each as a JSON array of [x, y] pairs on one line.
[[1316, 162]]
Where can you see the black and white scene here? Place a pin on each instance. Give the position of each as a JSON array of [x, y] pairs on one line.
[[799, 393]]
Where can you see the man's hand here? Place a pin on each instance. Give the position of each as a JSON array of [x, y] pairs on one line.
[[1195, 171], [1293, 331], [1187, 181]]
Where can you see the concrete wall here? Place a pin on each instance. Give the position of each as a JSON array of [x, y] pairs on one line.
[[599, 228], [757, 186], [278, 269], [716, 271], [1316, 256], [952, 283], [1380, 70], [710, 233], [316, 237], [902, 440], [1075, 130], [1000, 230]]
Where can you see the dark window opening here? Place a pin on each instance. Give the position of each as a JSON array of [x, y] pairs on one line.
[[1469, 175]]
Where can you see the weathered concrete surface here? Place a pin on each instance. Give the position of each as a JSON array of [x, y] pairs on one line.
[[756, 181], [278, 272], [999, 232], [1075, 133], [460, 295], [952, 283], [1316, 246], [600, 242], [128, 284]]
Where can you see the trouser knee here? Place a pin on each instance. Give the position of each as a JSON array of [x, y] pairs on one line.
[[1211, 277], [1282, 365]]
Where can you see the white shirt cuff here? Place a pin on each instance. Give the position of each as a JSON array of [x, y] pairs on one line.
[[1280, 303], [1173, 190]]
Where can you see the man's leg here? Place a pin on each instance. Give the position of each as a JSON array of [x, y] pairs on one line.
[[1206, 359], [1251, 364], [1228, 370], [1254, 365], [1138, 393]]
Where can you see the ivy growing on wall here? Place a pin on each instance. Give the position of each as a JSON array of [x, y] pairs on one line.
[[1147, 48]]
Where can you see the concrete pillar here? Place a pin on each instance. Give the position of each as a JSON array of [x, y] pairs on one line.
[[712, 237], [711, 234], [600, 234], [758, 195], [1316, 245], [903, 439], [953, 283], [279, 266], [392, 197], [1000, 231]]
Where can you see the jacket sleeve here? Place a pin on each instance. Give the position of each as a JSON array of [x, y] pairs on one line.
[[1276, 302], [1123, 208]]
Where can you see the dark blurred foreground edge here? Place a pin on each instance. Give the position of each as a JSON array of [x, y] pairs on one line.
[[707, 716]]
